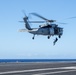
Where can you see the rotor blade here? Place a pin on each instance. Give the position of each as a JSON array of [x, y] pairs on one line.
[[71, 17], [43, 17], [39, 16], [24, 12], [21, 21], [61, 23], [33, 21], [36, 21]]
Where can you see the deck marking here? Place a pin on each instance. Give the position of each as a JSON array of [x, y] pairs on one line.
[[33, 70], [55, 72]]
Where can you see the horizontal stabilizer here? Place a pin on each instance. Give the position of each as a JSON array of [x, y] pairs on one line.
[[26, 30], [22, 30]]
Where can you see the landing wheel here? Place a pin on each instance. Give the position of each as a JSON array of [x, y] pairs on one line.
[[48, 37], [59, 36], [33, 38]]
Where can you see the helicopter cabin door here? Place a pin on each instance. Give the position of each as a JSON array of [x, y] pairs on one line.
[[51, 31]]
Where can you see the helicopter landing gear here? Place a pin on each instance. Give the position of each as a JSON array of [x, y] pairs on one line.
[[48, 37], [33, 37], [59, 36]]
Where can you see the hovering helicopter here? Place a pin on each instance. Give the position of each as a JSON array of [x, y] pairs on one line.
[[49, 29]]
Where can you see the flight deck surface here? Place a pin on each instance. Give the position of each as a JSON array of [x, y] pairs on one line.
[[38, 68]]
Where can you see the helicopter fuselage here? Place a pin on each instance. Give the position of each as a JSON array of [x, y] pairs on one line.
[[47, 31]]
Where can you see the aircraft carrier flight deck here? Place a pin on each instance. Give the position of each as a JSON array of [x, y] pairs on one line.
[[38, 68]]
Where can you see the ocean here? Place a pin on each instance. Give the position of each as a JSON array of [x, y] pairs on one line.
[[36, 60]]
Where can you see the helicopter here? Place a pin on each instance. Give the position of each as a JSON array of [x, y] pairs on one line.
[[49, 29]]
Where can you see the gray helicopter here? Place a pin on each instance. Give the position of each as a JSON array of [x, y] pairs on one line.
[[49, 29]]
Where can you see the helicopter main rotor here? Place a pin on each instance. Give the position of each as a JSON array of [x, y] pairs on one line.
[[47, 20]]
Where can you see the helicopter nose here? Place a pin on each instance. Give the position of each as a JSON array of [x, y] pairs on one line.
[[61, 31]]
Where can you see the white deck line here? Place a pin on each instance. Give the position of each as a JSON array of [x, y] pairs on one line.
[[55, 72], [33, 70]]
